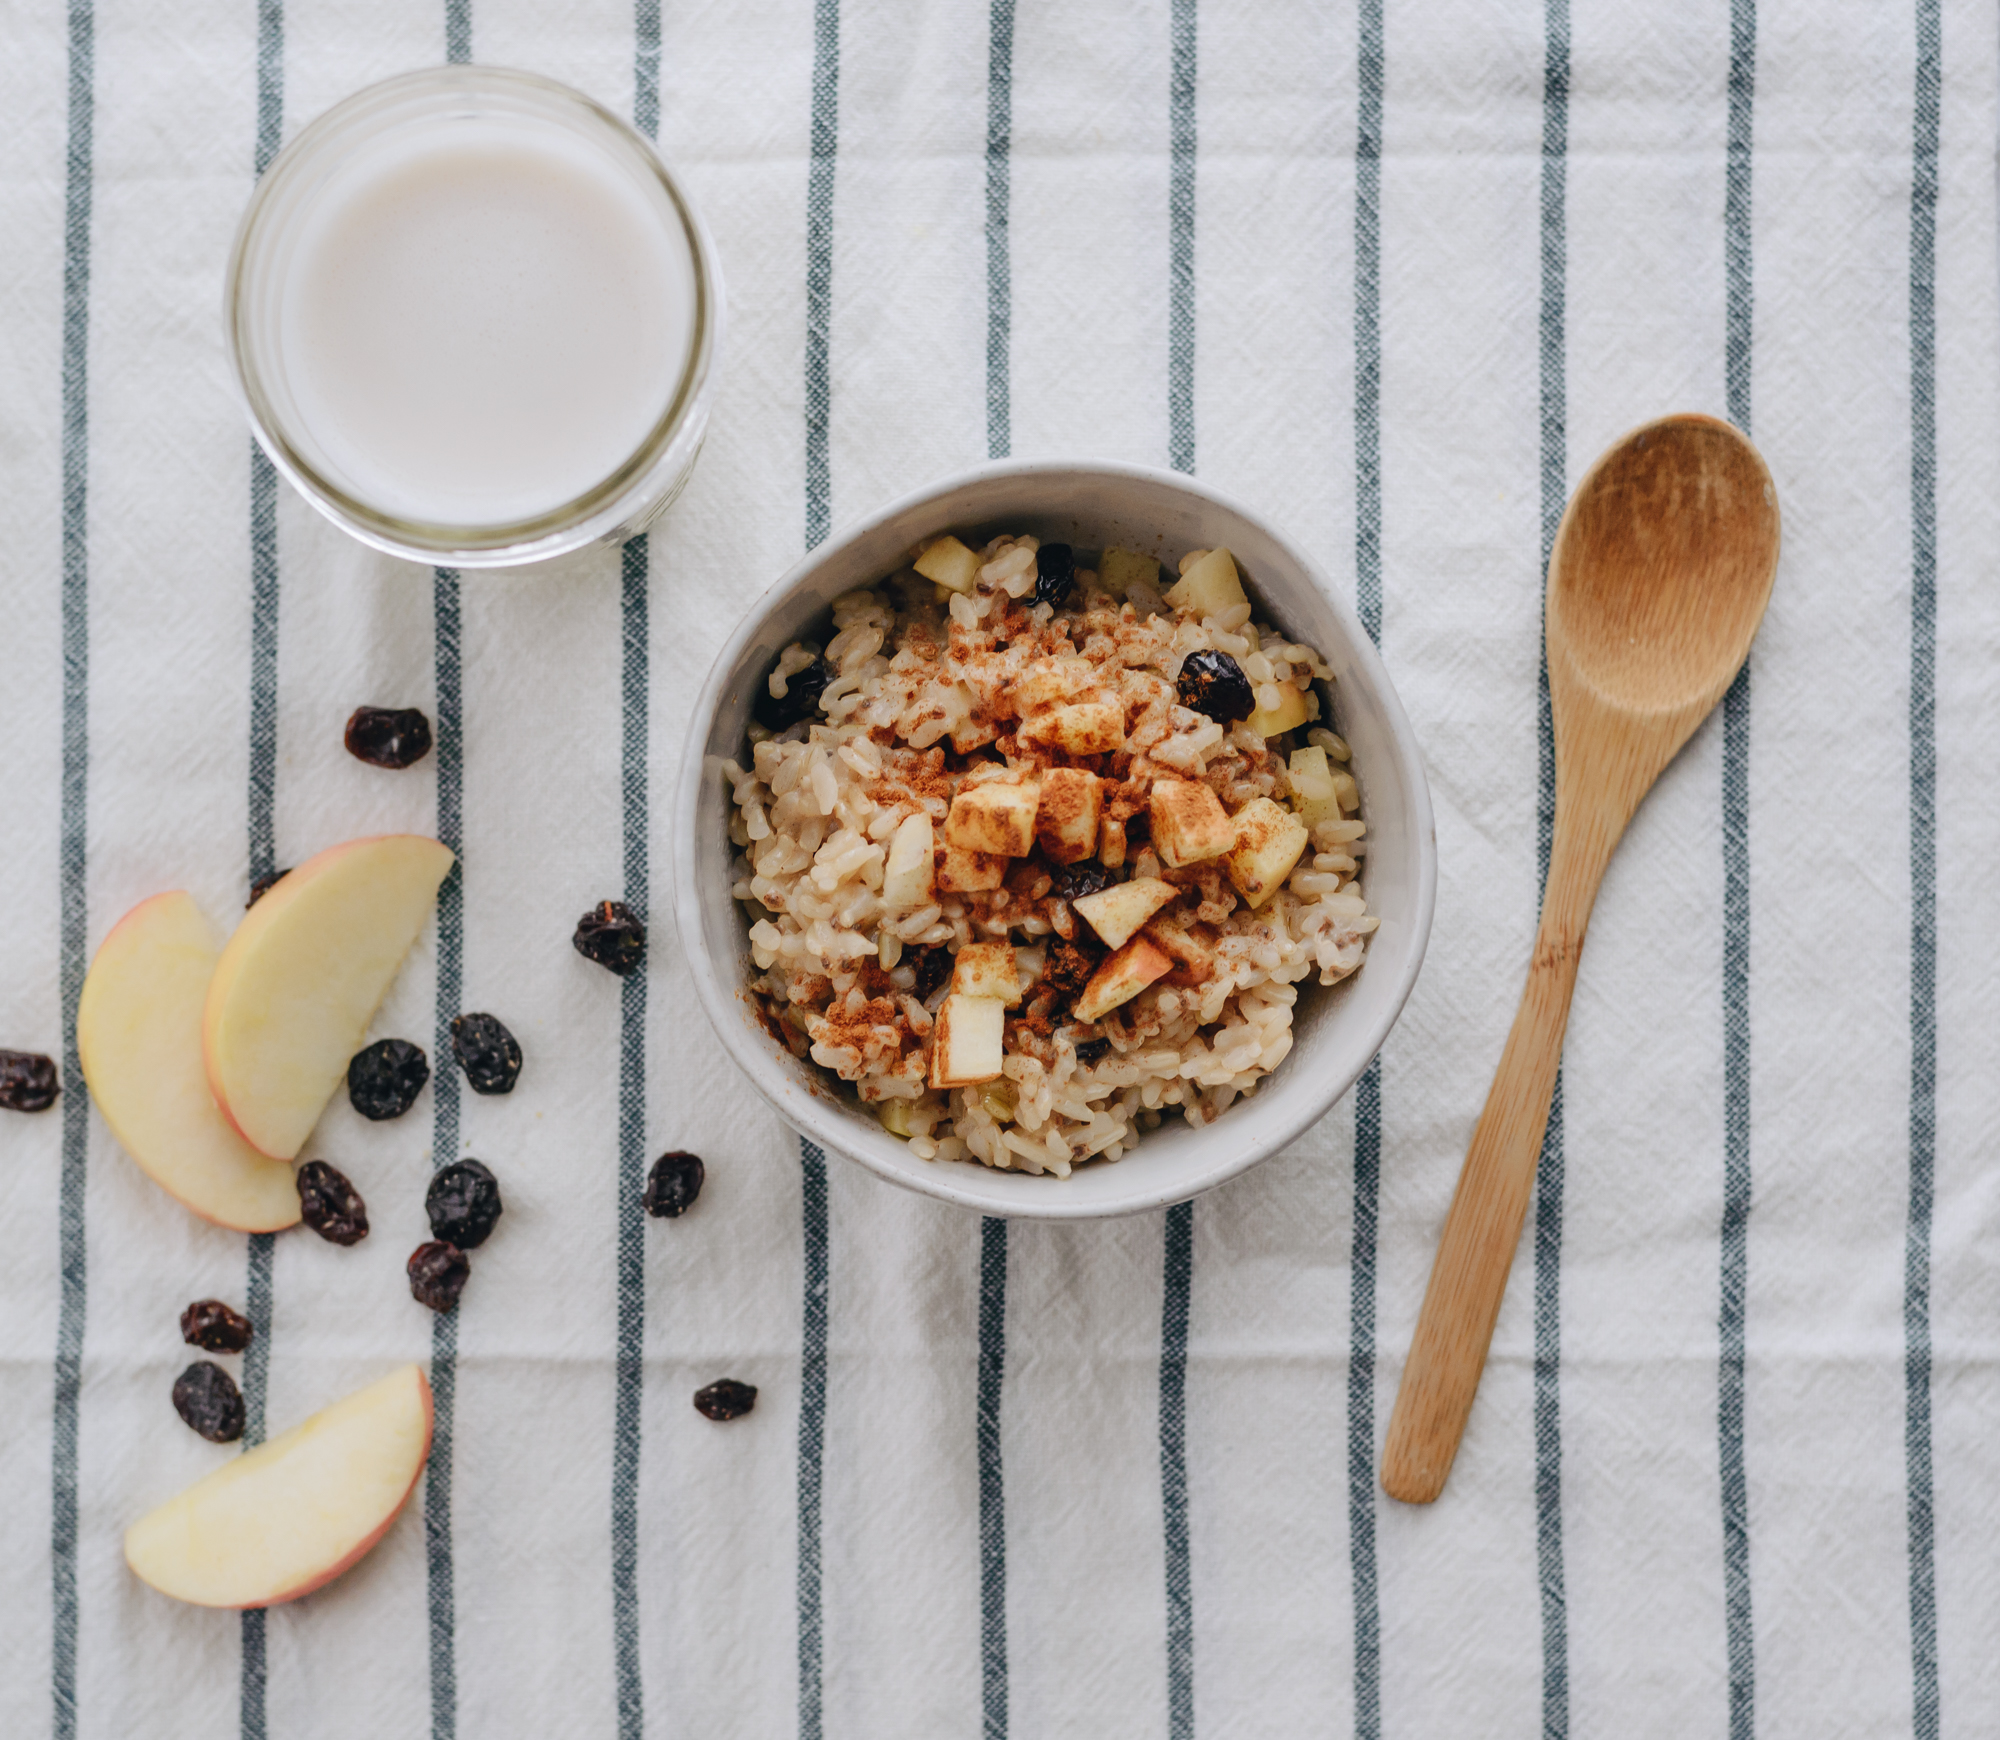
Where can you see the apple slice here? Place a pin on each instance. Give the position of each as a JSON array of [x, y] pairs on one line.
[[303, 976], [138, 1033], [288, 1517]]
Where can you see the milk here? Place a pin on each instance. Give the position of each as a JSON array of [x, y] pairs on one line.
[[482, 318]]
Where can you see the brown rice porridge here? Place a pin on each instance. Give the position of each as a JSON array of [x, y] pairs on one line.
[[1035, 855]]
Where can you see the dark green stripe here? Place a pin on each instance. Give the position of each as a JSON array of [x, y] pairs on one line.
[[1361, 1405], [993, 1232], [450, 754], [1179, 1230], [260, 806], [1176, 1297], [631, 1161], [1735, 1239], [812, 1431], [1549, 1181], [1361, 1483], [1180, 239], [999, 265], [1925, 1712], [646, 68], [992, 1487], [819, 264], [458, 31], [812, 1163], [72, 862]]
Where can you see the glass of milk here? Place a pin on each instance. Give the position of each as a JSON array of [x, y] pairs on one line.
[[474, 319]]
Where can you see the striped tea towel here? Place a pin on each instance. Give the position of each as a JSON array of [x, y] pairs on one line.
[[1393, 272]]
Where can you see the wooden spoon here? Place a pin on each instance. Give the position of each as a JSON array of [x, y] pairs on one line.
[[1659, 576]]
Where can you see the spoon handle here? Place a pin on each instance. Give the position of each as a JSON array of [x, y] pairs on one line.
[[1483, 1227]]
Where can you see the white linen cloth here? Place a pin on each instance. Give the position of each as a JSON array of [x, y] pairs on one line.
[[1549, 262]]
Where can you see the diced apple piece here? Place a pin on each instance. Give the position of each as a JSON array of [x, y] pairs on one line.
[[138, 1033], [1314, 795], [949, 563], [967, 1040], [894, 1116], [1119, 568], [1121, 978], [1269, 839], [1066, 823], [1117, 912], [986, 970], [302, 977], [1288, 715], [996, 818], [1189, 822], [1192, 949], [1092, 726], [963, 872], [910, 869], [1209, 587], [287, 1518], [1050, 679]]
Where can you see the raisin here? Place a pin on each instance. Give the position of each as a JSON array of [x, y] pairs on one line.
[[488, 1053], [1214, 683], [383, 1080], [726, 1399], [1055, 574], [330, 1205], [673, 1184], [211, 1324], [611, 935], [463, 1203], [207, 1398], [933, 968], [438, 1273], [263, 886], [388, 736], [1067, 968], [1074, 881], [27, 1081], [1088, 1051], [799, 701]]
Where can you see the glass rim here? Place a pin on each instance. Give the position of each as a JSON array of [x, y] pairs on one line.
[[422, 539]]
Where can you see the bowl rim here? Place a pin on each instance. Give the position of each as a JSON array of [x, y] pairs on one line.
[[803, 1113]]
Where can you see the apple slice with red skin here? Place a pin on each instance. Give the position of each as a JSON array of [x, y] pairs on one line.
[[138, 1034], [288, 1517], [303, 976]]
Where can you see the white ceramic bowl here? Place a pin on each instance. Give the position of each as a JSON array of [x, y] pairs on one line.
[[1336, 1031]]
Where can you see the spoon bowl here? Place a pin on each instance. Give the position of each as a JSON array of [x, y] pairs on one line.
[[1663, 565], [1658, 578]]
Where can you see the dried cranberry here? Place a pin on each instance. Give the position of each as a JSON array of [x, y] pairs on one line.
[[487, 1052], [673, 1184], [611, 935], [1055, 574], [263, 886], [28, 1081], [330, 1205], [1088, 1051], [207, 1398], [438, 1273], [211, 1324], [388, 736], [799, 701], [1214, 683], [933, 968], [726, 1399], [463, 1203], [1085, 876], [383, 1080]]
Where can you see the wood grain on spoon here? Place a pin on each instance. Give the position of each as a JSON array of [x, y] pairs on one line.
[[1659, 576]]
